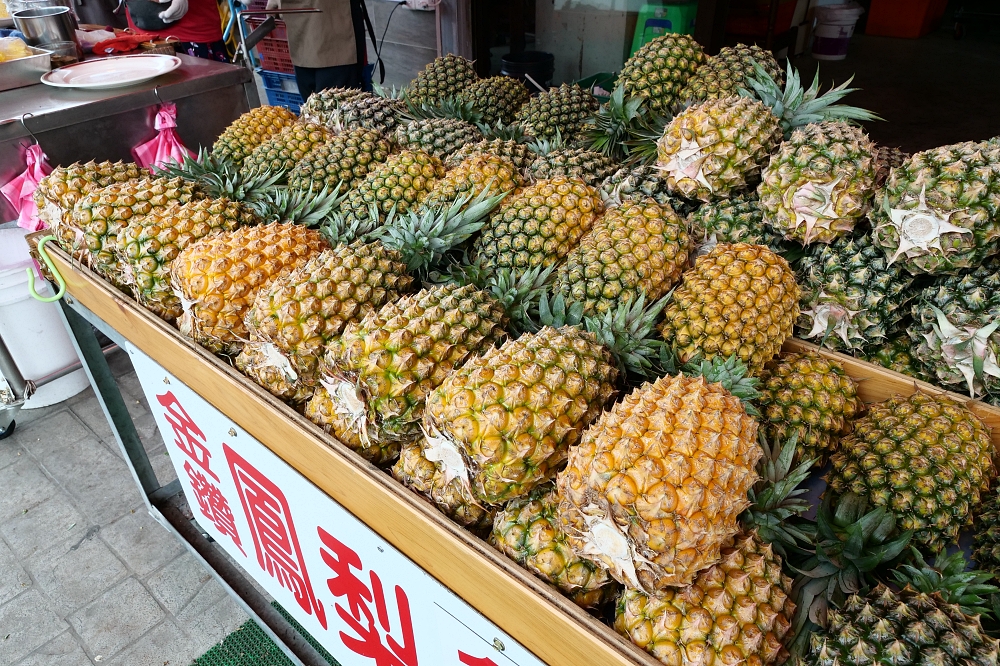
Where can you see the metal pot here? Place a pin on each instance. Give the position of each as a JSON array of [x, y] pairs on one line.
[[43, 25]]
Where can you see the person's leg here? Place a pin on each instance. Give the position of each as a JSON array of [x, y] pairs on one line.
[[306, 78], [341, 76], [206, 50]]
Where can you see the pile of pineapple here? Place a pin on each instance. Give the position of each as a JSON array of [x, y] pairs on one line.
[[561, 323]]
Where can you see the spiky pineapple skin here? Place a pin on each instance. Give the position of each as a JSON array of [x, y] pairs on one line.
[[345, 158], [59, 191], [322, 105], [592, 168], [370, 112], [819, 183], [654, 488], [809, 396], [394, 358], [539, 225], [724, 74], [300, 313], [738, 299], [285, 149], [737, 611], [852, 297], [151, 242], [527, 531], [218, 278], [896, 354], [517, 153], [513, 412], [498, 98], [970, 302], [925, 458], [474, 176], [442, 78], [250, 130], [639, 248], [957, 225], [901, 629], [437, 136], [660, 69], [403, 181], [736, 220], [640, 182], [986, 533], [563, 110], [717, 148]]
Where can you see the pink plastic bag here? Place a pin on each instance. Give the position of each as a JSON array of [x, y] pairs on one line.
[[20, 191], [165, 147]]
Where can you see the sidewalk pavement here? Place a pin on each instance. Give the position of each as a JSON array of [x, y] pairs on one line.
[[86, 575]]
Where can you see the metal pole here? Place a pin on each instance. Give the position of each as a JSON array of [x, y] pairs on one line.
[[11, 373]]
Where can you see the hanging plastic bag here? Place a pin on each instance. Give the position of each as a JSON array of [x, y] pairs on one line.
[[20, 191], [165, 147]]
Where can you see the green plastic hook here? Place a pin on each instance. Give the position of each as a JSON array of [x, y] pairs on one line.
[[52, 269]]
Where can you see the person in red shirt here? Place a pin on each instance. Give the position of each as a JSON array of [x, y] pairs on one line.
[[197, 25]]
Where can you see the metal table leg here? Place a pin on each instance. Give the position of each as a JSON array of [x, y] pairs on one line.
[[166, 504]]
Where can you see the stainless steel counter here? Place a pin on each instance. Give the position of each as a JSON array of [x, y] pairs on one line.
[[80, 125]]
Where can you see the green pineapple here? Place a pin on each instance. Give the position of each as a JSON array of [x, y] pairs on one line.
[[659, 70], [443, 78], [283, 151], [736, 220], [322, 105], [896, 354], [345, 158], [402, 183], [640, 182], [497, 98], [564, 110], [592, 168], [516, 152], [437, 136], [724, 74]]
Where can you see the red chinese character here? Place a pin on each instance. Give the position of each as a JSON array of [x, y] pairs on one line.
[[474, 661], [213, 504], [370, 641], [188, 436], [278, 551]]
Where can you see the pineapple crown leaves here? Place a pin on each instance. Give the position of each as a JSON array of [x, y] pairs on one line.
[[609, 128], [776, 498], [388, 93], [545, 146], [949, 577], [795, 105], [424, 237], [731, 372], [644, 133], [220, 178], [446, 107], [339, 229], [304, 207], [511, 132]]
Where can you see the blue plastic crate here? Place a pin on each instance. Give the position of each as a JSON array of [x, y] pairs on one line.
[[279, 81], [291, 101]]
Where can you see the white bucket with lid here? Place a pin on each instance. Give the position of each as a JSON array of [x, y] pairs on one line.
[[33, 331], [834, 28]]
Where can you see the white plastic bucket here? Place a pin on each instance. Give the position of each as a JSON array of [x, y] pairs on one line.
[[33, 331], [834, 27]]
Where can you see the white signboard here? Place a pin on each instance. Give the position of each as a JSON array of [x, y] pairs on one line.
[[362, 599]]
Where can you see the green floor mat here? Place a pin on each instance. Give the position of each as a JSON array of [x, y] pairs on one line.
[[250, 646]]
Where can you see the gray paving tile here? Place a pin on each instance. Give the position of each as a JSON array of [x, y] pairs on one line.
[[207, 625], [162, 466], [117, 618], [142, 543], [89, 411], [97, 478], [135, 398], [165, 645], [51, 521], [120, 363], [26, 623], [50, 436], [24, 486], [76, 571], [10, 451], [14, 580], [63, 650], [26, 416], [177, 583]]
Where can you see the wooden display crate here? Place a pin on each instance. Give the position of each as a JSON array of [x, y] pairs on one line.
[[533, 613]]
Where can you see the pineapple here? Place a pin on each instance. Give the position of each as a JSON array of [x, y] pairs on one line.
[[345, 158], [322, 105], [369, 112], [297, 315], [284, 150], [955, 329], [986, 533], [592, 168], [250, 130], [852, 297], [101, 215], [735, 612], [638, 248], [640, 182], [150, 242], [443, 78], [539, 225], [497, 98], [516, 152], [887, 159], [563, 110], [59, 191], [940, 210], [738, 299], [654, 488], [736, 220], [659, 70], [886, 628], [810, 397], [448, 493], [437, 136], [503, 422], [925, 458], [527, 531], [377, 376], [217, 278], [401, 182], [723, 75], [896, 354], [819, 183], [473, 177]]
